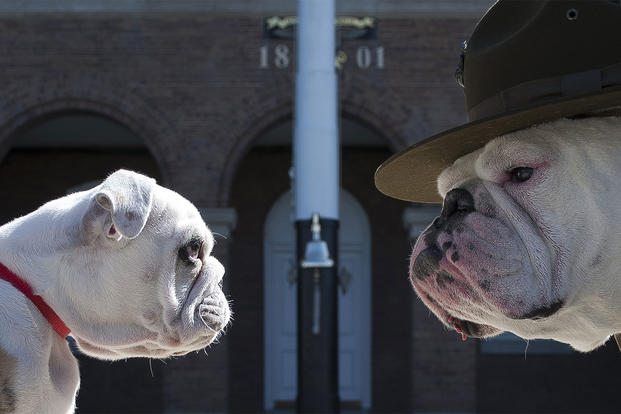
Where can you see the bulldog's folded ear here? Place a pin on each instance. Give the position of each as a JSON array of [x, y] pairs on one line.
[[128, 198]]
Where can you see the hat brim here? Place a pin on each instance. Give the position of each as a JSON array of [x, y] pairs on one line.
[[411, 174]]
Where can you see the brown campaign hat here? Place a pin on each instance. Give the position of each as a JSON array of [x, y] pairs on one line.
[[527, 62]]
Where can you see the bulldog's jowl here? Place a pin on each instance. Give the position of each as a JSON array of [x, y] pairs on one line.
[[535, 256]]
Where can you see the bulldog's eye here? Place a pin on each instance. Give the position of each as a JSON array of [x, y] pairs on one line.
[[191, 251], [194, 248], [521, 174]]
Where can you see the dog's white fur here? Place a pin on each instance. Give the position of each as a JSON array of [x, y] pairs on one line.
[[567, 217], [124, 291]]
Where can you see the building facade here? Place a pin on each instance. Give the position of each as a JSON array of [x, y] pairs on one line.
[[200, 96]]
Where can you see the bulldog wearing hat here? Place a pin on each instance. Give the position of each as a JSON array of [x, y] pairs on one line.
[[124, 267], [529, 239]]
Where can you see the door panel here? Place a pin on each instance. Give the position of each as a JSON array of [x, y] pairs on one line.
[[281, 305]]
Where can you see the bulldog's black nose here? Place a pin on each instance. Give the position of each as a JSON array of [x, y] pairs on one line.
[[457, 200]]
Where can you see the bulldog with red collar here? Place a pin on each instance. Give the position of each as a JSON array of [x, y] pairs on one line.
[[124, 267], [529, 239]]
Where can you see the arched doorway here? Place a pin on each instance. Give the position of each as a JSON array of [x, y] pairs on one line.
[[261, 178], [280, 305], [58, 153], [51, 154]]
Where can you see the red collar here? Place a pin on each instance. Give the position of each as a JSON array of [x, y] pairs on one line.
[[21, 285]]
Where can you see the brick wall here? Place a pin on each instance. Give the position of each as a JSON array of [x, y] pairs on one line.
[[190, 86], [194, 81], [445, 367]]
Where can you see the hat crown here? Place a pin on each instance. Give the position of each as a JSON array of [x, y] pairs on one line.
[[518, 42], [526, 63]]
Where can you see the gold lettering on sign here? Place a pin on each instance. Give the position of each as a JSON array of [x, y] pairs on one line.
[[340, 59], [278, 22], [357, 22]]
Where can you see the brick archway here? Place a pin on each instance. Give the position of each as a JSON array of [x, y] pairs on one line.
[[86, 94], [353, 107]]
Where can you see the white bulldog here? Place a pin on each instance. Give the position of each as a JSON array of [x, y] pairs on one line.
[[529, 239], [125, 265]]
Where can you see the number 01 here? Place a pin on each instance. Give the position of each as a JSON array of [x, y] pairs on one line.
[[364, 57]]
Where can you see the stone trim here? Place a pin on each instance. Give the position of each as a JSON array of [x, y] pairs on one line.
[[395, 8], [85, 92], [220, 220]]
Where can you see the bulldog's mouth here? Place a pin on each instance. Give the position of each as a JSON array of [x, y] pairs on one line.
[[214, 311], [467, 328], [206, 303], [210, 308], [470, 269]]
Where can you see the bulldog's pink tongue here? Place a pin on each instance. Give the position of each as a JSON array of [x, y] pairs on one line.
[[458, 328]]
